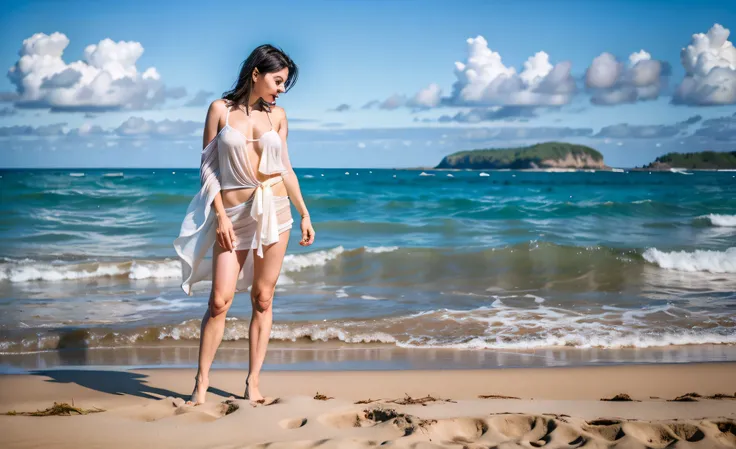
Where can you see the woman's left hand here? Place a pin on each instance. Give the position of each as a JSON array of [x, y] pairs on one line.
[[307, 232]]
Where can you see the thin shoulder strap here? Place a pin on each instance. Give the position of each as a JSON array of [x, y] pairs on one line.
[[269, 119], [227, 115]]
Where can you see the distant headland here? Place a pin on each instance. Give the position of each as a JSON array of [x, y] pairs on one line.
[[703, 160], [538, 156]]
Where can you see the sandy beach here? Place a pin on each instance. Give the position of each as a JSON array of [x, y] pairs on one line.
[[545, 407]]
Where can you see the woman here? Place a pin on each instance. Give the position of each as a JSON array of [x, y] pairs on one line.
[[243, 206]]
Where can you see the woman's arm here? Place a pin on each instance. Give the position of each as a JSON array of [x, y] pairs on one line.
[[225, 233], [292, 184]]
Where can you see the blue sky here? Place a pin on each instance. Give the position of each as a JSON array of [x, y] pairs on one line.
[[591, 84]]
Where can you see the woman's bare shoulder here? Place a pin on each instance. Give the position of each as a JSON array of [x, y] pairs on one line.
[[279, 112], [219, 105]]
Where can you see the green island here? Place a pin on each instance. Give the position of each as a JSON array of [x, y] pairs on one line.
[[703, 160], [541, 155]]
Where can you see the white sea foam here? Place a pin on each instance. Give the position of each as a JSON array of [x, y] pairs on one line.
[[637, 340], [76, 175], [698, 260], [317, 332], [298, 262], [28, 270], [238, 329], [497, 326], [381, 249], [155, 270], [169, 305], [680, 171], [720, 220], [537, 299]]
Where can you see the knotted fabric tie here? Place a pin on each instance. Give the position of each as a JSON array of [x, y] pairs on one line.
[[263, 212]]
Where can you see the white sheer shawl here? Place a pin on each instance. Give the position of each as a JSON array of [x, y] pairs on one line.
[[197, 234]]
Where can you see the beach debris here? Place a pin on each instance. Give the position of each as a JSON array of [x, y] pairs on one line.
[[621, 397], [265, 402], [366, 401], [380, 414], [408, 400], [408, 423], [424, 423], [321, 397], [58, 409], [229, 406], [496, 396], [722, 396], [688, 397]]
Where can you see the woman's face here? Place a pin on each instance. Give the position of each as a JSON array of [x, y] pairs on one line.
[[270, 85]]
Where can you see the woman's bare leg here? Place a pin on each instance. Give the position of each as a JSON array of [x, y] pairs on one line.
[[225, 268], [265, 274]]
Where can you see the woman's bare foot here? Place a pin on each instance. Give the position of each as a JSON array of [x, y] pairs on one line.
[[251, 389], [200, 391]]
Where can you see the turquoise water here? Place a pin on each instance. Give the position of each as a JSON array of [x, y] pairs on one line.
[[501, 259]]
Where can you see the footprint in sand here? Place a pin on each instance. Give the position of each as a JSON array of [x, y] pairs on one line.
[[293, 423], [537, 430], [175, 408], [453, 430], [654, 435], [687, 432], [346, 420]]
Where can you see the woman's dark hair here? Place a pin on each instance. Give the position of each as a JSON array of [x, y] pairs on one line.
[[267, 59]]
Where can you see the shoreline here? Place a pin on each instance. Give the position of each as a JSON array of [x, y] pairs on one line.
[[338, 356], [428, 409]]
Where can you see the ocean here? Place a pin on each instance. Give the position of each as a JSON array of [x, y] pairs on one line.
[[496, 262]]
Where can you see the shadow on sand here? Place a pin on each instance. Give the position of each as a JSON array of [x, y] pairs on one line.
[[111, 382], [116, 382]]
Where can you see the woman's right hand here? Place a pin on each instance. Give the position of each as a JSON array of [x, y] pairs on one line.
[[225, 233]]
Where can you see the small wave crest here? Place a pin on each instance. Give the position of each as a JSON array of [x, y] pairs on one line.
[[27, 270], [695, 261], [719, 220], [298, 262], [30, 270]]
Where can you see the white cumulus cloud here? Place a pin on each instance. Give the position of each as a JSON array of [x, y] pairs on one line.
[[484, 80], [614, 82], [710, 69], [428, 97], [106, 79]]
